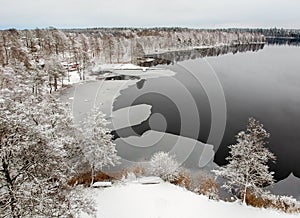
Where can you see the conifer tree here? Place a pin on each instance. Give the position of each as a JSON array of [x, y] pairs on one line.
[[247, 170]]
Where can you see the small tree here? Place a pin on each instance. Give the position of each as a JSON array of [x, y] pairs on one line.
[[247, 169], [98, 148], [164, 165]]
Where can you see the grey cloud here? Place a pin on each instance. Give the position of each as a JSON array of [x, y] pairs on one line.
[[141, 13]]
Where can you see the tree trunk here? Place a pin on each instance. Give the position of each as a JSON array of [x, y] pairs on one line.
[[50, 84], [131, 52], [68, 76], [92, 175], [55, 83], [10, 186], [56, 49], [245, 194], [6, 56], [110, 52], [246, 187]]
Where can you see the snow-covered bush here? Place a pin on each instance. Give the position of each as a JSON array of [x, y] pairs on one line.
[[85, 178], [267, 200], [138, 171], [183, 179], [288, 204], [285, 203], [164, 165]]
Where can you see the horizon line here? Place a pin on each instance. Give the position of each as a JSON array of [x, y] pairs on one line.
[[152, 27]]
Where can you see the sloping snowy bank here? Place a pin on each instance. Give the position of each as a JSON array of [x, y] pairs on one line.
[[168, 201]]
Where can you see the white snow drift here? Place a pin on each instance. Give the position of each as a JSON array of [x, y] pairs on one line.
[[164, 200]]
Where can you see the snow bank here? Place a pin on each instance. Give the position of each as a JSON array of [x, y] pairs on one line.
[[130, 116], [101, 184], [168, 201], [190, 152], [150, 180], [107, 67], [151, 73]]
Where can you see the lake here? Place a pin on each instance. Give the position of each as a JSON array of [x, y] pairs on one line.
[[213, 94]]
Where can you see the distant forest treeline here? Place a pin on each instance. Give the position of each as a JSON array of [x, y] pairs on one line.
[[272, 36], [275, 35], [114, 45], [272, 32]]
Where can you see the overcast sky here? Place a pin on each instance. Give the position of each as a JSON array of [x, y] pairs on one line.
[[142, 13]]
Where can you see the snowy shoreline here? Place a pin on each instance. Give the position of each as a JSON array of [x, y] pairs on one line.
[[102, 93]]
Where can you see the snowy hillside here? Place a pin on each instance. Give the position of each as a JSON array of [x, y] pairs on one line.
[[164, 200]]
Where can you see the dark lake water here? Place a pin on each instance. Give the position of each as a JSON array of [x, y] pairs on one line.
[[216, 90]]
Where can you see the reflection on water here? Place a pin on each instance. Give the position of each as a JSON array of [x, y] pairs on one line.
[[177, 56], [283, 41], [112, 76], [140, 83], [122, 77]]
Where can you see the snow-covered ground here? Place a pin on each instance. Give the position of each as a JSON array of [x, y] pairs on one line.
[[106, 67], [135, 200], [150, 73], [72, 78]]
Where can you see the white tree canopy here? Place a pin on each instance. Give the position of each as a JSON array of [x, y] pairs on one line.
[[247, 169], [99, 148]]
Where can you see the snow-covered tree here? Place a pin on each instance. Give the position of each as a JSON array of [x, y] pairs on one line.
[[247, 170], [55, 122], [99, 148], [36, 145], [33, 170], [108, 48], [2, 58], [22, 153], [164, 165], [55, 71]]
